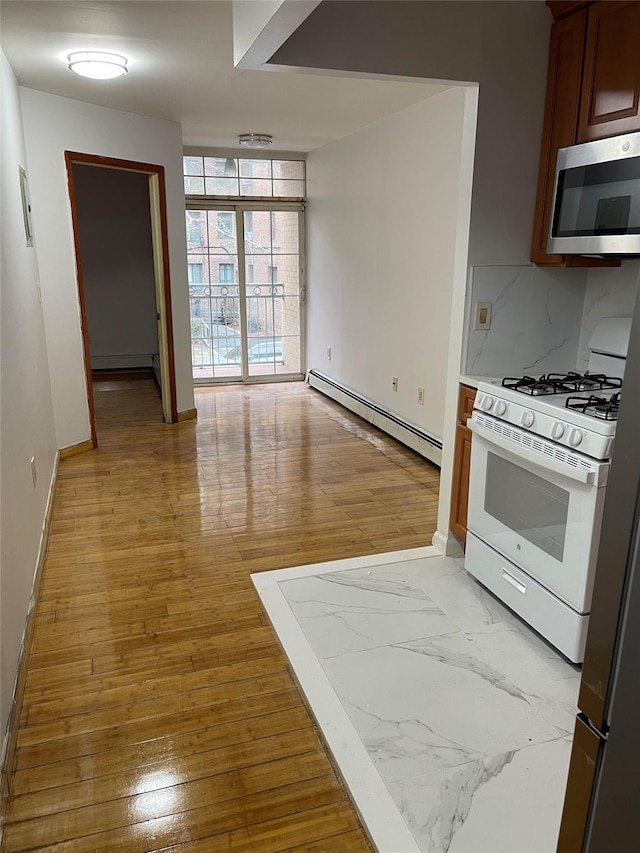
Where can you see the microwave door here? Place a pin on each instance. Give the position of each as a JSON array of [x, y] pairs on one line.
[[596, 205]]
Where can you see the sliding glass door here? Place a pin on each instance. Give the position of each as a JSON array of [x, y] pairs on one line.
[[245, 291]]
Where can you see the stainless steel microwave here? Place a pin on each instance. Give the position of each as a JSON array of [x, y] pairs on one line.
[[596, 201]]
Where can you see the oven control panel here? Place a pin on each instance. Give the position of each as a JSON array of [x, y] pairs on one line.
[[550, 420]]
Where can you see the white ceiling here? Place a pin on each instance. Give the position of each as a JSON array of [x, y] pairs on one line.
[[181, 68]]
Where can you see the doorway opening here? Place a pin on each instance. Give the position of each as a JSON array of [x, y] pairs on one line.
[[119, 219]]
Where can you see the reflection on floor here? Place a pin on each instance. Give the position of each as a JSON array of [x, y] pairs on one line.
[[450, 720]]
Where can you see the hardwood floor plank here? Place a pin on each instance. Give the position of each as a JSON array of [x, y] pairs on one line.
[[159, 712]]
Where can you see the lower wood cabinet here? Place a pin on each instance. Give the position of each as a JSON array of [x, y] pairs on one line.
[[462, 464]]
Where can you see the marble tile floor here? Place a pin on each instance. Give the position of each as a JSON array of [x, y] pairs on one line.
[[450, 720]]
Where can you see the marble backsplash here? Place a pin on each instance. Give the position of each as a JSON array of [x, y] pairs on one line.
[[609, 293], [542, 319]]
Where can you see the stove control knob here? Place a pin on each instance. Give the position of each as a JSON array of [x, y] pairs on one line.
[[486, 403], [557, 430], [527, 418], [575, 438], [500, 408]]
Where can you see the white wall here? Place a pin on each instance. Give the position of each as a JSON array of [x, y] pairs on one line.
[[52, 126], [503, 46], [383, 221], [26, 412], [116, 248]]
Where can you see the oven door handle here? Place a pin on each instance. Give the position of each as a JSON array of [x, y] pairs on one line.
[[519, 452]]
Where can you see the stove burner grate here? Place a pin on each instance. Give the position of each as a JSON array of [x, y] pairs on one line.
[[605, 408], [561, 383]]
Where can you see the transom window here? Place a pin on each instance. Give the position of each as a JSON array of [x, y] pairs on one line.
[[232, 177]]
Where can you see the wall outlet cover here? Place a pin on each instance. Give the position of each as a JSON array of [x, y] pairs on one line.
[[482, 316]]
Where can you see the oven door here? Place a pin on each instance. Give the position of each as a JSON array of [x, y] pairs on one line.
[[537, 508]]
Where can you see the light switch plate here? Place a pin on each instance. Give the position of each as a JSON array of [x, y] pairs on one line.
[[482, 316]]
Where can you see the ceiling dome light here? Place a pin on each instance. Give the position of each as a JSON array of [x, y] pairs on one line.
[[97, 65], [255, 140]]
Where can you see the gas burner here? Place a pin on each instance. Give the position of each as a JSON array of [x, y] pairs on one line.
[[605, 408], [550, 383], [597, 382], [561, 383]]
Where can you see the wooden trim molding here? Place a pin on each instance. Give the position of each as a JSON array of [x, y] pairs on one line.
[[151, 169], [74, 449], [188, 415], [563, 8], [83, 306]]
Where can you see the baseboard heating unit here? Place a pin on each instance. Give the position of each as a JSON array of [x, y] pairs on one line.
[[408, 434]]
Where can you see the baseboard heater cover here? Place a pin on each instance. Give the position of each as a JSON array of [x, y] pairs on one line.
[[121, 362], [408, 434]]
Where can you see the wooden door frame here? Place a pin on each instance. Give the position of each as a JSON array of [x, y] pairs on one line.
[[161, 248]]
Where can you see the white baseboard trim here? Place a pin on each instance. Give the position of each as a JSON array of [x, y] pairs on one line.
[[408, 434], [10, 734], [121, 362], [447, 544]]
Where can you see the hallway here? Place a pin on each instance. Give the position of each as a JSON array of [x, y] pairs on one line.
[[159, 711]]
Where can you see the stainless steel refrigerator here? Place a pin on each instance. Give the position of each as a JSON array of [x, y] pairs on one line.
[[602, 803]]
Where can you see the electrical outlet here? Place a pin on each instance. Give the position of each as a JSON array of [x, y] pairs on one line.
[[421, 395], [394, 383], [482, 316], [328, 353], [34, 473]]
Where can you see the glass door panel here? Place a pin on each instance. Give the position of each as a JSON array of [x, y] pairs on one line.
[[272, 283], [214, 297]]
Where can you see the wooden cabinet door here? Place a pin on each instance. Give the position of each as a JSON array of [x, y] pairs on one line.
[[460, 491], [610, 101], [564, 82], [466, 399]]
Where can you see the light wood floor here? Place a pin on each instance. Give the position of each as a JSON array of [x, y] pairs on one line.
[[159, 711]]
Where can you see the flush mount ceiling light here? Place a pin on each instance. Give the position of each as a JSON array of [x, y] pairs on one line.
[[97, 65], [255, 140]]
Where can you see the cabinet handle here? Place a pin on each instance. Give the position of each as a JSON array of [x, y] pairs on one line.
[[509, 578]]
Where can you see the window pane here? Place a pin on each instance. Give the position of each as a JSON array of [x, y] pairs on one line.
[[233, 177], [221, 186], [288, 189], [224, 167], [193, 166], [195, 274], [255, 168], [284, 232], [288, 169], [196, 233], [255, 187], [260, 240], [193, 186], [222, 227]]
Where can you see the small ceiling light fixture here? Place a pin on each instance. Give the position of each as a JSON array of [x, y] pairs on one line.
[[97, 65], [255, 140]]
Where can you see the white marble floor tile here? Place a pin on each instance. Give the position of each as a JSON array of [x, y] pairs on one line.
[[462, 598], [507, 803], [432, 704], [549, 682], [449, 718], [348, 611]]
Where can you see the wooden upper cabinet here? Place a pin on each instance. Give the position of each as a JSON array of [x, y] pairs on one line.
[[592, 91], [564, 81], [611, 90]]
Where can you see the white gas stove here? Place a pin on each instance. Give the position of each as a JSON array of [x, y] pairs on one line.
[[539, 467], [582, 420]]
